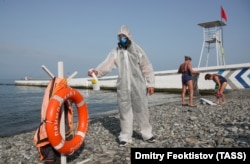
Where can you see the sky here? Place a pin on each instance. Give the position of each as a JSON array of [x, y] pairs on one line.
[[81, 33]]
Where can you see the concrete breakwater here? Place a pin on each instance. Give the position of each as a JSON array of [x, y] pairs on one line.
[[238, 76]]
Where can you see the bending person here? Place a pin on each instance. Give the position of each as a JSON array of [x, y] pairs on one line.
[[221, 82]]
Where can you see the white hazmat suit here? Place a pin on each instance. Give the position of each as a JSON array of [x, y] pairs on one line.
[[135, 74]]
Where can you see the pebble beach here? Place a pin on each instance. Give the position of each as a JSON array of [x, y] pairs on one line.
[[174, 126]]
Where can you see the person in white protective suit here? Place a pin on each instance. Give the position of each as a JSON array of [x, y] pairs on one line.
[[135, 81]]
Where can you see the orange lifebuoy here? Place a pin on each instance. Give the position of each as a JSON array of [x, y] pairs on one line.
[[53, 120]]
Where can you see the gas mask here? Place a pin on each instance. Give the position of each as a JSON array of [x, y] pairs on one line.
[[124, 42]]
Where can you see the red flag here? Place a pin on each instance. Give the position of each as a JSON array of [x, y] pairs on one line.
[[223, 14]]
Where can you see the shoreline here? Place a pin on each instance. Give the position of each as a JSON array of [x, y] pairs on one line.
[[220, 126], [113, 89]]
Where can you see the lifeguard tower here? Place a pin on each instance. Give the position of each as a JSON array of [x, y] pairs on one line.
[[213, 39]]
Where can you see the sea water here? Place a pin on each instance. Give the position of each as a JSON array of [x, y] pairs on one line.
[[20, 106]]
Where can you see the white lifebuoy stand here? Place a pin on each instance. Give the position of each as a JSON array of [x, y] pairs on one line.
[[62, 121]]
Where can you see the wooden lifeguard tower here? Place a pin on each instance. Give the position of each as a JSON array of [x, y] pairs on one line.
[[213, 39]]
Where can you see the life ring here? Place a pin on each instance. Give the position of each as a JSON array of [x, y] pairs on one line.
[[53, 121]]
